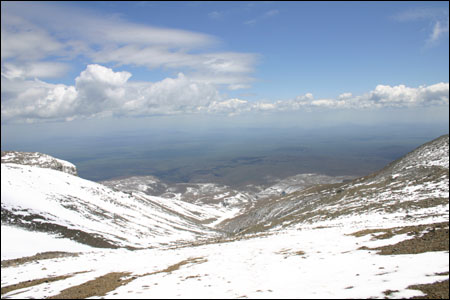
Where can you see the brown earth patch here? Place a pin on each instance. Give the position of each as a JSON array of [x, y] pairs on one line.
[[389, 292], [177, 266], [437, 290], [29, 283], [104, 284], [40, 256], [436, 238], [390, 232], [96, 287]]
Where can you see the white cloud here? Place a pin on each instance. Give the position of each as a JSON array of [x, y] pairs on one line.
[[345, 96], [418, 13], [170, 96], [228, 68], [381, 97], [234, 87], [264, 106], [439, 30], [34, 70], [230, 106], [103, 39], [327, 103], [98, 29], [100, 74], [27, 44], [403, 96], [266, 15], [306, 97], [271, 13], [127, 33], [26, 100], [215, 15], [98, 92], [437, 17]]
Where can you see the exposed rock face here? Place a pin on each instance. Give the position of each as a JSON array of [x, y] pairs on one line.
[[39, 160]]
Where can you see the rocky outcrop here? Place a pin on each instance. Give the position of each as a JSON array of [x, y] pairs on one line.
[[39, 160]]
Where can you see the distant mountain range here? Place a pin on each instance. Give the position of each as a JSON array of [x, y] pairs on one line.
[[210, 233]]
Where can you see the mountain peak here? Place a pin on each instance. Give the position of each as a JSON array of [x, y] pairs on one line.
[[38, 160]]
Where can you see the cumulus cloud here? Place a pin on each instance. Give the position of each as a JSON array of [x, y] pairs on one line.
[[381, 97], [26, 100], [230, 106], [100, 91], [169, 96], [403, 96]]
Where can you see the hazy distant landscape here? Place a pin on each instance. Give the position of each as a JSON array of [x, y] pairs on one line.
[[237, 157]]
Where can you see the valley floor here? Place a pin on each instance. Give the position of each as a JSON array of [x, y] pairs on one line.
[[371, 256]]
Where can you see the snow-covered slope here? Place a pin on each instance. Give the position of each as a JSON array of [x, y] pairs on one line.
[[299, 182], [227, 201], [52, 201]]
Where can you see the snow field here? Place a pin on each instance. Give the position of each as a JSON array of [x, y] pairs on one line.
[[310, 263]]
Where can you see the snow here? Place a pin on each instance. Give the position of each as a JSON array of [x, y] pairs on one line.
[[17, 242], [320, 260], [298, 182], [39, 160], [259, 267], [79, 204]]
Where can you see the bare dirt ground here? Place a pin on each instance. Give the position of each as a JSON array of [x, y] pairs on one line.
[[37, 257]]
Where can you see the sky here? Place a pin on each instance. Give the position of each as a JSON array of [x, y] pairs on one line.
[[71, 66]]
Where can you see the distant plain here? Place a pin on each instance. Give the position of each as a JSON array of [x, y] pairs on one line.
[[236, 156]]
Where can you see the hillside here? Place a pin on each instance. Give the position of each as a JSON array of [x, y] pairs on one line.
[[411, 189], [380, 236], [51, 201]]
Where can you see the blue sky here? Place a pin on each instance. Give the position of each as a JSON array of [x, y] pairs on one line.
[[104, 61]]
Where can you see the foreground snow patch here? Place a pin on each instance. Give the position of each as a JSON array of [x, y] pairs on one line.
[[310, 263], [17, 242]]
